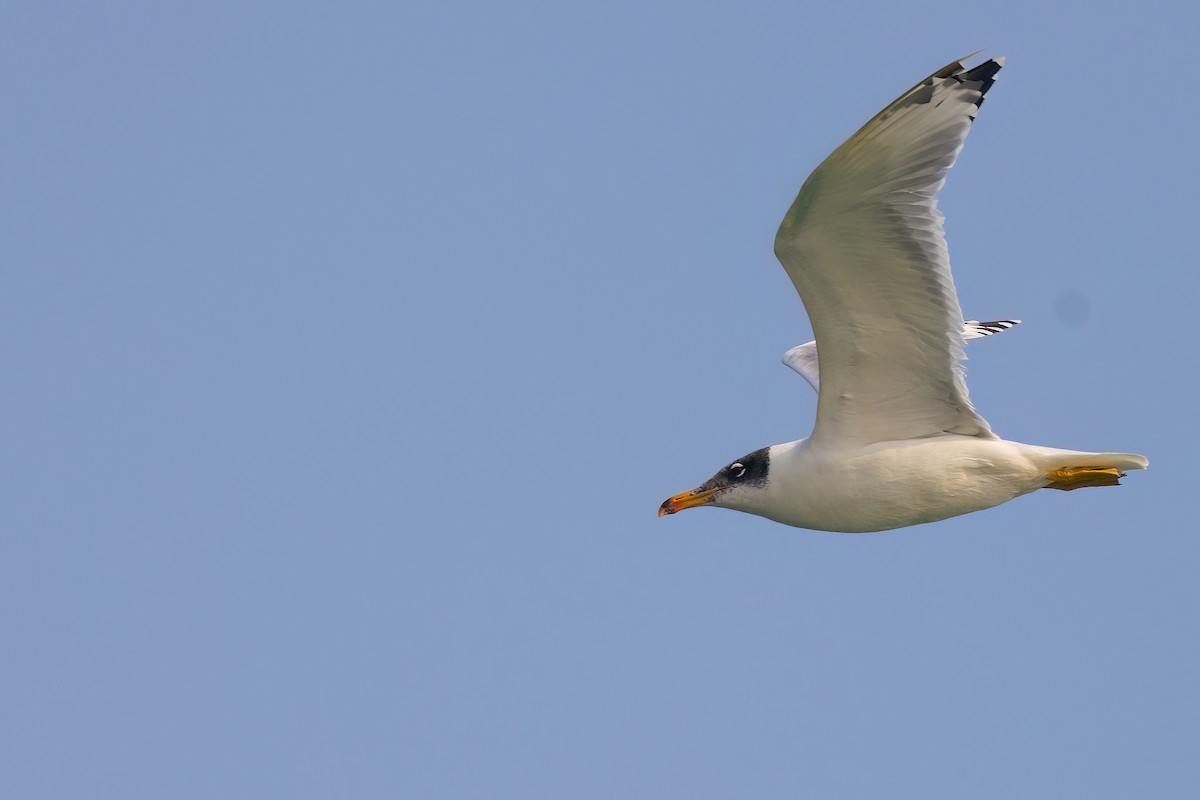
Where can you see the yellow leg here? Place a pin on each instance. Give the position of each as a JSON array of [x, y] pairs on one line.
[[1068, 478]]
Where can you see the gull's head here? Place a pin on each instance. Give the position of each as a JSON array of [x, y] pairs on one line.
[[739, 486]]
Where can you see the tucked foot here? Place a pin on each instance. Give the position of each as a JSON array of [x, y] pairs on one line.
[[1068, 478]]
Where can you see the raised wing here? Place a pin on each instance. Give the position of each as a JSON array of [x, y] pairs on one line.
[[803, 357], [864, 247]]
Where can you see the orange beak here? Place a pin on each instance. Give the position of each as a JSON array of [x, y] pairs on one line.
[[696, 497]]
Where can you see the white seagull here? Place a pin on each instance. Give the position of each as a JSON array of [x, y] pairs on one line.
[[896, 440]]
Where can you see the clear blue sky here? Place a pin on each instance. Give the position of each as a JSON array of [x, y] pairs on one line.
[[349, 349]]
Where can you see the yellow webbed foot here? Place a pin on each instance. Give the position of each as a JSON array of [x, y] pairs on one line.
[[1068, 478]]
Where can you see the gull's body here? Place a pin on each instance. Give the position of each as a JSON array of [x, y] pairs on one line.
[[898, 483], [897, 441]]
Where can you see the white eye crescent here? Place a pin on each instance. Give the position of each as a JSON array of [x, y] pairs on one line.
[[737, 469]]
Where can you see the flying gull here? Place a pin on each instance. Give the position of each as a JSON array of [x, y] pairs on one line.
[[896, 440]]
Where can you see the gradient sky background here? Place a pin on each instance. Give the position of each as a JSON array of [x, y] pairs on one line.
[[349, 349]]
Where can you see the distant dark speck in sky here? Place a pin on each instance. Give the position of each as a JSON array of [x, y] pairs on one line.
[[1073, 308]]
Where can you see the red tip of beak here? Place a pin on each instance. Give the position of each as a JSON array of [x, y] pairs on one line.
[[696, 497]]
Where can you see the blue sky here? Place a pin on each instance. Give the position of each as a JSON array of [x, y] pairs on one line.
[[350, 349]]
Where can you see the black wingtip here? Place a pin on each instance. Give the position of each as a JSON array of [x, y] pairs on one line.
[[985, 74], [994, 326]]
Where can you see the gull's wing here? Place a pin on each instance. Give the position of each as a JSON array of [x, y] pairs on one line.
[[803, 357], [864, 247], [974, 329]]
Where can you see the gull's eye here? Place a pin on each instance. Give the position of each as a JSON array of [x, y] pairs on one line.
[[737, 469]]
